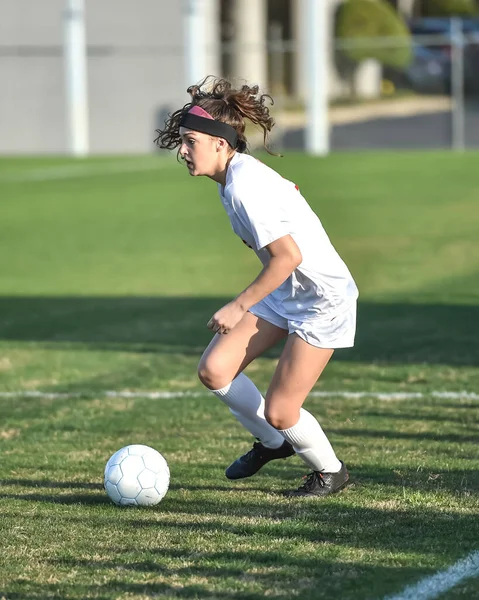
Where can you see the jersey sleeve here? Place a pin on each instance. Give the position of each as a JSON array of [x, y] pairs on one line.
[[262, 214]]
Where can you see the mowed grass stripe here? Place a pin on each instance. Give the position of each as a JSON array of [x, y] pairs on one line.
[[14, 171], [405, 224]]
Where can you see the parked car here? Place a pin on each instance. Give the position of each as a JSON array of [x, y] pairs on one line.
[[429, 71], [471, 55], [439, 52]]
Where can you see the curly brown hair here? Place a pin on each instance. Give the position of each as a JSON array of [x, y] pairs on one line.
[[224, 103]]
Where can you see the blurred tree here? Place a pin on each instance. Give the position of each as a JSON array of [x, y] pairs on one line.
[[449, 8], [360, 29], [366, 20]]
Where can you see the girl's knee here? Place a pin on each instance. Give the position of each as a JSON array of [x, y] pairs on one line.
[[279, 418], [212, 375], [275, 418]]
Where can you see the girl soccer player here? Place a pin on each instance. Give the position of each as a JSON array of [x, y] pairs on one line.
[[304, 292]]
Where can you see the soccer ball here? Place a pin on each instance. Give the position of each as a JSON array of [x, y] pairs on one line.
[[136, 475]]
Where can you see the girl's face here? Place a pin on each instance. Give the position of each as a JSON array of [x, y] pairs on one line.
[[202, 153]]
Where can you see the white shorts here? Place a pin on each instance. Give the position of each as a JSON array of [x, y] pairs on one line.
[[335, 332]]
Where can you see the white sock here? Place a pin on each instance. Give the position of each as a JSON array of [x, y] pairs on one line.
[[311, 444], [247, 405]]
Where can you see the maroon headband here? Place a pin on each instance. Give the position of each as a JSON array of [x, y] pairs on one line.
[[199, 120]]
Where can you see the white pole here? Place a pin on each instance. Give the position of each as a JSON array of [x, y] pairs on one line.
[[195, 40], [316, 58], [250, 45], [457, 66], [76, 77]]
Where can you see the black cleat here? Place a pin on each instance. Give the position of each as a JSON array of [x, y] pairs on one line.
[[322, 484], [251, 462]]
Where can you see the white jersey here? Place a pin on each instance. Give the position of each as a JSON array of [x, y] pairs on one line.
[[263, 207]]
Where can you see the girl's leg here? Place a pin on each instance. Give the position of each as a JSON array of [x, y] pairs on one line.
[[221, 367], [229, 354], [298, 369]]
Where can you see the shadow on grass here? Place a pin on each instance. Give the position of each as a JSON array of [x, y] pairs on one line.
[[410, 527], [302, 576], [426, 479], [174, 541], [391, 434], [54, 497], [401, 530], [314, 582], [236, 494], [58, 499], [231, 574], [49, 483], [459, 405], [228, 571], [387, 333], [419, 415], [217, 488]]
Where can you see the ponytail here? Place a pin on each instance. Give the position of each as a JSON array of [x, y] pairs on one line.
[[226, 104]]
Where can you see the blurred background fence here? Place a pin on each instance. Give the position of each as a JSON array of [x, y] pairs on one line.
[[394, 80], [431, 101]]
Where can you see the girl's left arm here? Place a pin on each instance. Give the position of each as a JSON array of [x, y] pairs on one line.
[[285, 257]]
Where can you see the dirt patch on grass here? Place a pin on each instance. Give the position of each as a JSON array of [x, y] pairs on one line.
[[9, 434], [5, 363]]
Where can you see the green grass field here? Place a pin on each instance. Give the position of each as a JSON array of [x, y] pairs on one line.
[[109, 271]]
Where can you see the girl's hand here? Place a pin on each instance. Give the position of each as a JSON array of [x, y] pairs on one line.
[[226, 318]]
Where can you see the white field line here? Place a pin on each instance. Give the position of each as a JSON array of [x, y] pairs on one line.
[[432, 587], [166, 395], [84, 170]]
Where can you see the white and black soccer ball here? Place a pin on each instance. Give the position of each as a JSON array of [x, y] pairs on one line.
[[136, 475]]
